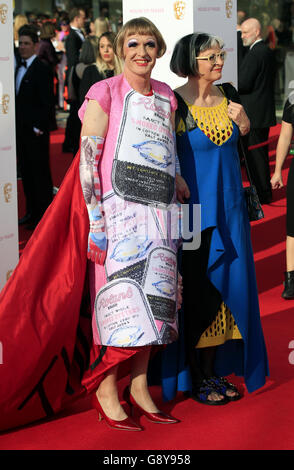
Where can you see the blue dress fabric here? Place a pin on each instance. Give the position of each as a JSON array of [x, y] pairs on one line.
[[213, 175]]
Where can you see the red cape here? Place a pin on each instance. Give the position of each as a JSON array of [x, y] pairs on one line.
[[49, 357]]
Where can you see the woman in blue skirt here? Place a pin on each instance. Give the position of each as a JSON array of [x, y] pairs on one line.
[[221, 331]]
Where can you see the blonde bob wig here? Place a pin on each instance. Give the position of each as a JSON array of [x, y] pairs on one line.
[[141, 26]]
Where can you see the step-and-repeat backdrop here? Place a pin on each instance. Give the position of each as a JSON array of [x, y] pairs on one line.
[[8, 181], [176, 18]]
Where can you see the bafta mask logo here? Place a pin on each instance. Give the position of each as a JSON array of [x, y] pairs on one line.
[[8, 274], [7, 192], [5, 103], [3, 13], [229, 7], [179, 9]]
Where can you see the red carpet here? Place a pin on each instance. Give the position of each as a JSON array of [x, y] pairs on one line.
[[262, 421]]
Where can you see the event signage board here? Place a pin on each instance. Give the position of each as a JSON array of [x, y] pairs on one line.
[[8, 181], [176, 18], [219, 17]]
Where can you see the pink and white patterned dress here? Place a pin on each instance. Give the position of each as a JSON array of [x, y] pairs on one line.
[[134, 294]]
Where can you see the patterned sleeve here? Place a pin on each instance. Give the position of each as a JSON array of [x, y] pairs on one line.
[[100, 92]]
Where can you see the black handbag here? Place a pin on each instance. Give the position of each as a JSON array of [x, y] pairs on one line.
[[255, 211], [254, 208]]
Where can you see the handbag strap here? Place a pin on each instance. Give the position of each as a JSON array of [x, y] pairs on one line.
[[231, 94], [185, 114], [245, 160]]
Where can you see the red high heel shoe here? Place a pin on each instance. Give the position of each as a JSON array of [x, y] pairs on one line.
[[126, 424], [159, 417]]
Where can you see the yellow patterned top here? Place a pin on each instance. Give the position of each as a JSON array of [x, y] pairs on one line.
[[213, 121], [222, 329]]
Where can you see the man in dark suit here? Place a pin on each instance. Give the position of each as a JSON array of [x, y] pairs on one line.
[[32, 102], [73, 46], [256, 89]]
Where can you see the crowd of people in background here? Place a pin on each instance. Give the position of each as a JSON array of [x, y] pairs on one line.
[[53, 31], [273, 31], [75, 51]]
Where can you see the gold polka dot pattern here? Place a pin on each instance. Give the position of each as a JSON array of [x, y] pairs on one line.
[[222, 329], [213, 121]]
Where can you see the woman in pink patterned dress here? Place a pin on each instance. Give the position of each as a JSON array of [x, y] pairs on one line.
[[127, 172]]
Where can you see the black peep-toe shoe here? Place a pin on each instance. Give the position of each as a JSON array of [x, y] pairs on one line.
[[223, 386], [201, 393]]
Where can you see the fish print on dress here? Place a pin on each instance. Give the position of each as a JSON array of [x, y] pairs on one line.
[[155, 152], [130, 249], [165, 287], [143, 168], [126, 336]]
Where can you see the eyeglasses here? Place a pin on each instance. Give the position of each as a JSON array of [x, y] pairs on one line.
[[213, 57]]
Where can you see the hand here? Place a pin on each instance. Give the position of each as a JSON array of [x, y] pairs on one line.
[[182, 189], [97, 241], [97, 244], [237, 114], [179, 291], [96, 215], [277, 180]]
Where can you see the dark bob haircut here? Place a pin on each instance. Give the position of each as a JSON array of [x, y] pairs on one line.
[[183, 61]]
